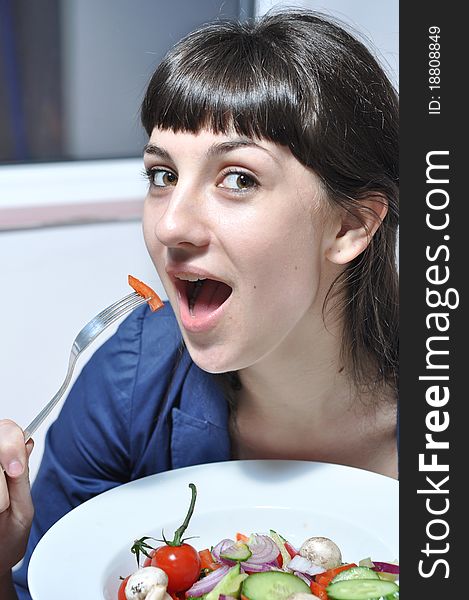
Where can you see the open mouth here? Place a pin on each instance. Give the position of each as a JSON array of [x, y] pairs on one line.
[[203, 296]]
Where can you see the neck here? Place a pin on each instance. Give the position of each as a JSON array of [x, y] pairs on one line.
[[299, 401], [303, 372]]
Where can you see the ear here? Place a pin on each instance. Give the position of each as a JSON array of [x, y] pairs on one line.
[[357, 227]]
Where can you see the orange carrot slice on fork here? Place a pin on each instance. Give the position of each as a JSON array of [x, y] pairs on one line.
[[144, 290]]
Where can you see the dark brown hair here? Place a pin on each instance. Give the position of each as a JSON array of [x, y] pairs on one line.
[[299, 79]]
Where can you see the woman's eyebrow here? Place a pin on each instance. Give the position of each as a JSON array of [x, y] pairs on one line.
[[155, 150], [214, 150], [224, 147]]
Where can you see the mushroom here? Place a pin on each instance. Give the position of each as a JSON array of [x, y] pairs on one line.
[[148, 583], [302, 596], [158, 593], [321, 551]]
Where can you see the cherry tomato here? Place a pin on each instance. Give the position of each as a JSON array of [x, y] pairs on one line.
[[121, 592], [180, 563]]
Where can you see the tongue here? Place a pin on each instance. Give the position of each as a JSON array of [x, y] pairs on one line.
[[212, 295]]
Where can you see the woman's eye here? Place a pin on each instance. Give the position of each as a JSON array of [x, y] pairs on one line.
[[238, 181], [161, 177]]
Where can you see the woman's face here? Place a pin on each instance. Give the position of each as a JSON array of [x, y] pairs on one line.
[[237, 231]]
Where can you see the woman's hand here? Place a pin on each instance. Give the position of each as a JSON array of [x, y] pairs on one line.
[[16, 507]]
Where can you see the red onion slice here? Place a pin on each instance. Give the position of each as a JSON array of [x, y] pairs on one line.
[[249, 567], [306, 578], [206, 584], [303, 565], [221, 547], [263, 548], [386, 567]]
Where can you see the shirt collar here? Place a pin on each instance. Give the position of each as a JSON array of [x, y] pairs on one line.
[[200, 422]]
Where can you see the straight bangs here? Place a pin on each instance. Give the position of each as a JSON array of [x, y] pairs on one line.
[[234, 84]]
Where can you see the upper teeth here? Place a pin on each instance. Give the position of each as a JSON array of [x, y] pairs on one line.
[[190, 278]]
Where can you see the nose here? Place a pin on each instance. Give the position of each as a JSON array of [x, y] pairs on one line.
[[183, 223]]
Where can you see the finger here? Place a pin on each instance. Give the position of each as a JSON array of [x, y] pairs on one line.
[[4, 496], [29, 447], [14, 459], [19, 492], [13, 455]]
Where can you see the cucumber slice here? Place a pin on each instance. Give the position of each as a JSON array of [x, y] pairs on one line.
[[355, 573], [238, 552], [361, 589], [388, 576], [279, 540], [230, 585], [272, 585]]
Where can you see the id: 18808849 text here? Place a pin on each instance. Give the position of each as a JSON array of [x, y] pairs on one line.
[[434, 70]]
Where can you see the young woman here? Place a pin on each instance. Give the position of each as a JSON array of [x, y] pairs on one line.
[[271, 218]]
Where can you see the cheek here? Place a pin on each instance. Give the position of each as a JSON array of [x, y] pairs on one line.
[[147, 225], [282, 250], [281, 279], [154, 247], [294, 284]]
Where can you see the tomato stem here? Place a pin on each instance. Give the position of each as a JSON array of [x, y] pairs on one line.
[[141, 546], [178, 541]]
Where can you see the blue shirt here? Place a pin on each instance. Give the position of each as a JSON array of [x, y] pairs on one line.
[[140, 406]]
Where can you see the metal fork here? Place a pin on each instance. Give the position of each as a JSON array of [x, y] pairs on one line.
[[85, 337]]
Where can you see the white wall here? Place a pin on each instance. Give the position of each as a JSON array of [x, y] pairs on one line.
[[53, 281]]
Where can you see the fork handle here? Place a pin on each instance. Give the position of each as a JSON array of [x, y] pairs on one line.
[[48, 408]]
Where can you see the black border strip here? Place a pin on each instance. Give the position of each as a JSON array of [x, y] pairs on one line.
[[432, 259]]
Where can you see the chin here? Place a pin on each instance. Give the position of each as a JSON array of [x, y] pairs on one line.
[[215, 360], [214, 365]]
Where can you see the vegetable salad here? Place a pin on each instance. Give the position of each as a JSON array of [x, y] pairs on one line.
[[259, 566]]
